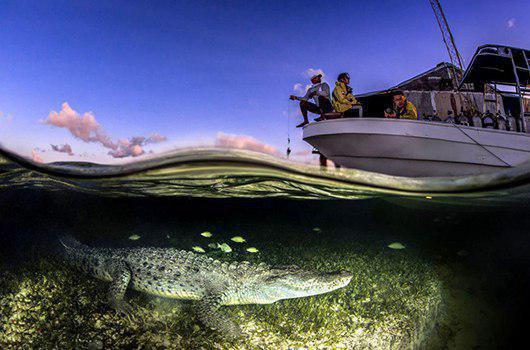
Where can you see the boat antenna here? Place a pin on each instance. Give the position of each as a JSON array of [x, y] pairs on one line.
[[457, 62]]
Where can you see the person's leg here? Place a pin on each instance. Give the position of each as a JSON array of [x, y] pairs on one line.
[[325, 107], [305, 107], [324, 104], [351, 113], [323, 160]]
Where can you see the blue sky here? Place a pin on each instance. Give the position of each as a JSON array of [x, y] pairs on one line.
[[188, 70]]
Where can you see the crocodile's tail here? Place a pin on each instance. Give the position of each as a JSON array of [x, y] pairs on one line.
[[74, 252], [71, 246], [69, 242]]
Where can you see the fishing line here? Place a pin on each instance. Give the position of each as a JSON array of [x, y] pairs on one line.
[[288, 150]]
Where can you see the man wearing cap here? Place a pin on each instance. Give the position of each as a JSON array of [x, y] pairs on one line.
[[343, 99], [319, 92], [402, 108]]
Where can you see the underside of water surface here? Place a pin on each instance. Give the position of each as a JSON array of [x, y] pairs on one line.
[[432, 264], [230, 173]]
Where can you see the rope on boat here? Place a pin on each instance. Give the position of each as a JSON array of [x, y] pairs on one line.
[[475, 141]]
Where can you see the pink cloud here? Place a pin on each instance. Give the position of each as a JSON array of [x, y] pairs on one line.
[[66, 148], [86, 128], [303, 153], [156, 138], [244, 142], [5, 117], [83, 127], [129, 148], [35, 156]]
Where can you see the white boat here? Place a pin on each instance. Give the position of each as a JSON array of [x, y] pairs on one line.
[[416, 148]]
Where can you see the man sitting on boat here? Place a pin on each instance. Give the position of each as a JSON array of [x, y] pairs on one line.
[[343, 100], [319, 92], [402, 108]]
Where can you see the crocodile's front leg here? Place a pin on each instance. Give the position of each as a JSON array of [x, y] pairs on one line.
[[208, 312], [121, 276]]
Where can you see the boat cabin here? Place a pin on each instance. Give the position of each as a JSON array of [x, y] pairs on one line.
[[485, 98]]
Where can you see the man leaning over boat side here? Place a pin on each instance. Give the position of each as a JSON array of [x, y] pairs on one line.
[[343, 100], [319, 92], [402, 108]]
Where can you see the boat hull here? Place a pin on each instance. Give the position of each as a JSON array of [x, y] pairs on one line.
[[417, 148]]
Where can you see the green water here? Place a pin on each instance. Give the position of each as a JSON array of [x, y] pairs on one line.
[[460, 282]]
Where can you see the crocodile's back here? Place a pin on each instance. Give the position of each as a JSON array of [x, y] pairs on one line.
[[172, 273], [164, 272]]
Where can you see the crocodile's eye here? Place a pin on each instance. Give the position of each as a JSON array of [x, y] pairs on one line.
[[272, 278]]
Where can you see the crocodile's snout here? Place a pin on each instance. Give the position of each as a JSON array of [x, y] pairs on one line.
[[300, 283], [344, 277], [337, 279]]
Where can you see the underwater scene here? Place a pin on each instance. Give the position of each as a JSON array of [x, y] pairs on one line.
[[261, 259], [264, 175]]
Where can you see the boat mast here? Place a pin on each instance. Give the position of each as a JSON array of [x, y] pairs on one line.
[[457, 63], [449, 41]]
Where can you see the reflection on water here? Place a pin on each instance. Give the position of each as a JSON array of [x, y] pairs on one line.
[[218, 173], [459, 282]]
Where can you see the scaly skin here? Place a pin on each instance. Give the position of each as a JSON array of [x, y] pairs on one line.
[[180, 274]]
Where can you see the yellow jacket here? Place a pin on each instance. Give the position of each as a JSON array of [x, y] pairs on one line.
[[409, 112], [342, 99]]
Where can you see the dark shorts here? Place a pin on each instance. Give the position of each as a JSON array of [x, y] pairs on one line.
[[351, 113], [324, 106]]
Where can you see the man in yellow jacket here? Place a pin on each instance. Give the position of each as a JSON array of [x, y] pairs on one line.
[[343, 99], [403, 108]]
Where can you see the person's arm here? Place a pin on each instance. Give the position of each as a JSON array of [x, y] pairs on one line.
[[341, 96], [392, 114], [411, 112], [309, 93]]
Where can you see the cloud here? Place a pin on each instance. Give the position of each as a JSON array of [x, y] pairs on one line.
[[35, 156], [244, 142], [83, 127], [129, 148], [301, 88], [511, 23], [66, 148], [86, 128], [303, 153], [312, 71], [156, 138], [5, 117]]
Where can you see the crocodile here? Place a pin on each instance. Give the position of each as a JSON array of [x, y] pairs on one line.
[[180, 274]]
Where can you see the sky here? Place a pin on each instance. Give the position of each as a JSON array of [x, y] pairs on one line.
[[114, 81]]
